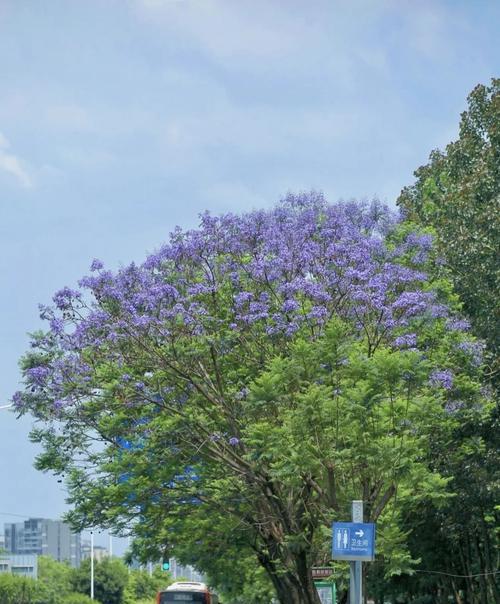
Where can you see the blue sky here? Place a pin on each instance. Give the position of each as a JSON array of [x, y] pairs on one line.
[[121, 118]]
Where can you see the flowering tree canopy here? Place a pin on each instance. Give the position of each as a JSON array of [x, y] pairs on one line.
[[263, 369]]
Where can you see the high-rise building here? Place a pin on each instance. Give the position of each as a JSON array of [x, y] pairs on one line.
[[43, 537]]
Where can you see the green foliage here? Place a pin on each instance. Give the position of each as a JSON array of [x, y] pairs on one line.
[[53, 586], [458, 194], [250, 586], [54, 580], [110, 580], [17, 590], [142, 586], [76, 598]]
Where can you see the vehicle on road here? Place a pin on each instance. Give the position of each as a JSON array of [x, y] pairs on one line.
[[186, 592]]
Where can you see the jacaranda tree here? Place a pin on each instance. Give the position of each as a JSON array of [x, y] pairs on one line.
[[248, 380]]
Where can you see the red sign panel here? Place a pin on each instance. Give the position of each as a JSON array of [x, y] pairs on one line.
[[321, 572]]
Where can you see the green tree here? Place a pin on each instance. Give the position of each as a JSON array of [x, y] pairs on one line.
[[248, 381], [54, 581], [213, 543], [110, 580], [17, 590], [458, 194], [456, 539], [142, 586]]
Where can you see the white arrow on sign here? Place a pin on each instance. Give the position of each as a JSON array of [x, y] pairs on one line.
[[359, 533]]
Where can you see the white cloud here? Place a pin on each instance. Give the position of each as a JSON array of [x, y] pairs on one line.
[[11, 164], [229, 30], [274, 35]]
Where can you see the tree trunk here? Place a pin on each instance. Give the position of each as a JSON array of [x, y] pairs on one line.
[[489, 566], [290, 591], [467, 571], [456, 591], [482, 581], [292, 587]]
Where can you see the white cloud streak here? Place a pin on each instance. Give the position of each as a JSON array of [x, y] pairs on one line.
[[12, 165]]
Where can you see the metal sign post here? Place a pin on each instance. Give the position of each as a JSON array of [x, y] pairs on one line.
[[354, 541], [91, 565], [356, 570]]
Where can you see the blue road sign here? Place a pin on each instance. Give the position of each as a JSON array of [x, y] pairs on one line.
[[353, 541]]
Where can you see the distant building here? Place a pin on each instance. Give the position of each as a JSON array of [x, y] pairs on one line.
[[25, 565], [100, 552], [178, 571], [45, 538], [2, 543]]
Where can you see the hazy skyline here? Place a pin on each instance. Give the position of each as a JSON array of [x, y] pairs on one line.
[[124, 118]]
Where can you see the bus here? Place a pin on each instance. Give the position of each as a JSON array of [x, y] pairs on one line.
[[187, 592]]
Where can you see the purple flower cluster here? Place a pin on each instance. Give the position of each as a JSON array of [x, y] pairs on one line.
[[408, 340], [420, 245], [96, 265], [267, 274], [38, 375], [442, 378], [473, 350], [457, 324]]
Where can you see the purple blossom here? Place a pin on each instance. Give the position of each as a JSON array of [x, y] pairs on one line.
[[233, 441], [442, 378], [58, 404], [96, 265], [18, 400], [457, 324], [289, 305], [56, 325], [265, 275], [438, 311], [242, 298], [64, 298], [317, 313], [38, 375], [474, 350], [408, 340], [420, 240]]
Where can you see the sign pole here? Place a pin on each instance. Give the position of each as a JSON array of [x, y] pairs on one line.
[[354, 541], [356, 567], [91, 565]]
